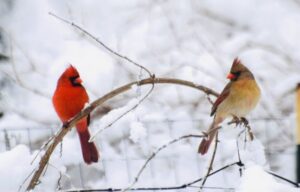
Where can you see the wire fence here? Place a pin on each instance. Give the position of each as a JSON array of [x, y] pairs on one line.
[[177, 166]]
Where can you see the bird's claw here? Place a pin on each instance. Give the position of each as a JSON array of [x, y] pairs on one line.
[[238, 121], [66, 124], [235, 120], [244, 121]]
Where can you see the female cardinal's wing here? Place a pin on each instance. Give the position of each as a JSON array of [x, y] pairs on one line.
[[220, 99]]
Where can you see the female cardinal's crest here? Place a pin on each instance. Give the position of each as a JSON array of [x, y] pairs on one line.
[[236, 62], [238, 66]]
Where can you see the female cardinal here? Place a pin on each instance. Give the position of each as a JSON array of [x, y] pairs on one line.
[[237, 99], [69, 99]]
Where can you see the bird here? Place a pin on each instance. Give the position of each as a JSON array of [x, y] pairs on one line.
[[238, 98], [69, 99]]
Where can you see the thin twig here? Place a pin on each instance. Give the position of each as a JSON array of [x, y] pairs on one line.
[[241, 164], [154, 154], [182, 186], [211, 162], [238, 149], [43, 147], [211, 130], [284, 179], [100, 42], [212, 173], [17, 78], [150, 189], [186, 185], [161, 148], [64, 130], [31, 173], [119, 117], [58, 184], [209, 99]]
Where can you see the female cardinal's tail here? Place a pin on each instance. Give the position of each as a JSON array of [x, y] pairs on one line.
[[89, 151], [205, 143], [204, 146]]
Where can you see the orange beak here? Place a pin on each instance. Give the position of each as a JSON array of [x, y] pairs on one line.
[[230, 76], [78, 80]]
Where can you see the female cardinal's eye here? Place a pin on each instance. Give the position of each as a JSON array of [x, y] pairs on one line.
[[237, 74]]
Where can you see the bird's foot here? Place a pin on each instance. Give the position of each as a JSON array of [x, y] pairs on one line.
[[247, 126], [238, 121], [66, 124], [235, 120], [245, 121]]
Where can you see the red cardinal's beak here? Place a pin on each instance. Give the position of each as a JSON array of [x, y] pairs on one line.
[[230, 76], [78, 80]]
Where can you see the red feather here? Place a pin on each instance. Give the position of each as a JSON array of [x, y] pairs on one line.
[[69, 99], [89, 150]]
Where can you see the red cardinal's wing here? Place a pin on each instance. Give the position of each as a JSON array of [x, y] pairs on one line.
[[220, 99]]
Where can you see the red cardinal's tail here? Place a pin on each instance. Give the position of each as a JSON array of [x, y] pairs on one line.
[[89, 151]]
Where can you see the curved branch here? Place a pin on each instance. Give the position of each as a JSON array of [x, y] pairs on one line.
[[67, 127]]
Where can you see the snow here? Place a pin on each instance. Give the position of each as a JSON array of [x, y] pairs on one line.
[[256, 179], [15, 166], [137, 131], [113, 116], [191, 40]]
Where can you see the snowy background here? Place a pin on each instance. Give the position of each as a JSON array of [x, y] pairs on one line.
[[194, 40]]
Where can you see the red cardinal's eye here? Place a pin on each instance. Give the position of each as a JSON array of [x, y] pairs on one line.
[[75, 80]]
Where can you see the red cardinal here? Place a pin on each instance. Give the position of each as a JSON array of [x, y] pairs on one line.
[[69, 99], [237, 99]]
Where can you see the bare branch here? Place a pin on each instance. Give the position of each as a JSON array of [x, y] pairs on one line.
[[125, 113], [166, 145], [182, 186], [101, 43], [64, 130], [211, 162], [154, 154], [17, 78], [284, 179], [186, 185]]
